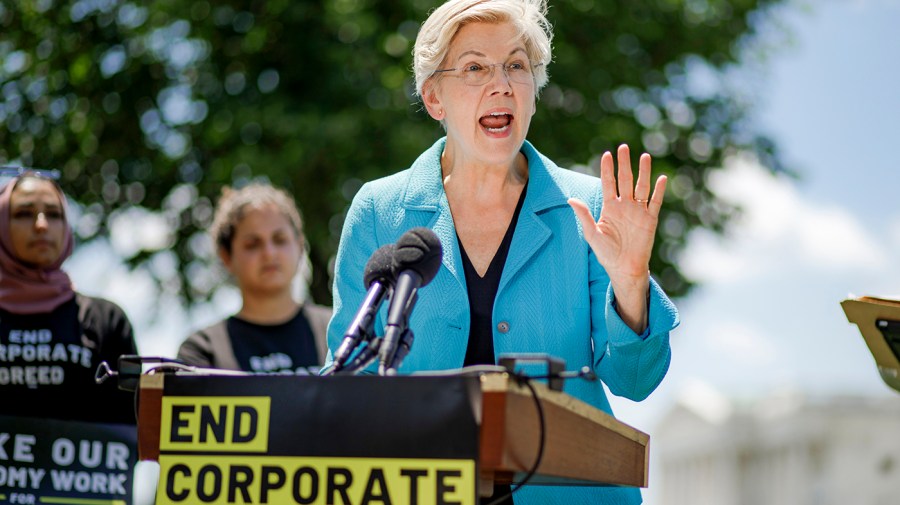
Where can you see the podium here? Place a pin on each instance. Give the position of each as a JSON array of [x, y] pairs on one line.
[[583, 445], [878, 320], [491, 415]]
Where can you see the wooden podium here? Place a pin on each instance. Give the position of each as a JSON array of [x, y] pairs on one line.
[[582, 445], [878, 320]]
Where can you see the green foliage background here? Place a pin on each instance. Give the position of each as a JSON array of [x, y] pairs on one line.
[[158, 105]]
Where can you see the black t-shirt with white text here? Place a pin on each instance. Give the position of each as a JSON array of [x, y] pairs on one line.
[[278, 348], [48, 362]]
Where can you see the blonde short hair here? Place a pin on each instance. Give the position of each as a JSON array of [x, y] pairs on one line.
[[437, 32]]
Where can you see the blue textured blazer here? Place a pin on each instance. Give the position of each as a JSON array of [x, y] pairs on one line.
[[554, 297]]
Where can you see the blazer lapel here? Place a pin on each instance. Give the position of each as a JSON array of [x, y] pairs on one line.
[[425, 192], [531, 232]]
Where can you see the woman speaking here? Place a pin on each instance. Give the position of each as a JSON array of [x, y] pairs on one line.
[[526, 267]]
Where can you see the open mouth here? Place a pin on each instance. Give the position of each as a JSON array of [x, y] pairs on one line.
[[496, 122]]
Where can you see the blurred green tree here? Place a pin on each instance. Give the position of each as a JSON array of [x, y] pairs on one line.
[[150, 108]]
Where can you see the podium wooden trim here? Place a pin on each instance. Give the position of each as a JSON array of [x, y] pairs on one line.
[[150, 393], [583, 445], [864, 312]]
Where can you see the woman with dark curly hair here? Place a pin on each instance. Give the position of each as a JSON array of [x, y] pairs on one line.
[[258, 235]]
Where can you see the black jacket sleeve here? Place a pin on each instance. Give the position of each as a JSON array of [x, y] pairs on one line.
[[106, 326]]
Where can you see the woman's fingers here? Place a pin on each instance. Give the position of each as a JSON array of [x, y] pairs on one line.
[[658, 193], [642, 188], [626, 179], [607, 177], [620, 183], [583, 213]]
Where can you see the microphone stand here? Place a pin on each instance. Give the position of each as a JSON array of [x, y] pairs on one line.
[[400, 335], [363, 359], [340, 366], [406, 341]]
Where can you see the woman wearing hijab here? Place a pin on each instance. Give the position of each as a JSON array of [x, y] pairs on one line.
[[52, 338], [536, 259]]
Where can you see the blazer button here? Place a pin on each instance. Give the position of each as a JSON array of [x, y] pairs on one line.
[[503, 327]]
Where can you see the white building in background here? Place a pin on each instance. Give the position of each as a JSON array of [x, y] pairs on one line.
[[782, 450]]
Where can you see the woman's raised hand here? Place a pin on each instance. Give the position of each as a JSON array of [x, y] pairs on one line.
[[622, 239]]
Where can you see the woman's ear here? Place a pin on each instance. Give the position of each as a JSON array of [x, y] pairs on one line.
[[432, 101], [225, 258]]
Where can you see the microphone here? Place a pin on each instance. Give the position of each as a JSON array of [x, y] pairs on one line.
[[403, 348], [379, 277], [417, 258], [363, 358]]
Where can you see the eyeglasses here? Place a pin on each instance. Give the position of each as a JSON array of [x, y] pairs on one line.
[[14, 171], [9, 172], [477, 74]]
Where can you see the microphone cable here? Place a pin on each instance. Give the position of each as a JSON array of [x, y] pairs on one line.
[[542, 431], [520, 378]]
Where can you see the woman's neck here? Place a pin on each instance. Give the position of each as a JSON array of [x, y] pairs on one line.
[[268, 309], [480, 181]]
